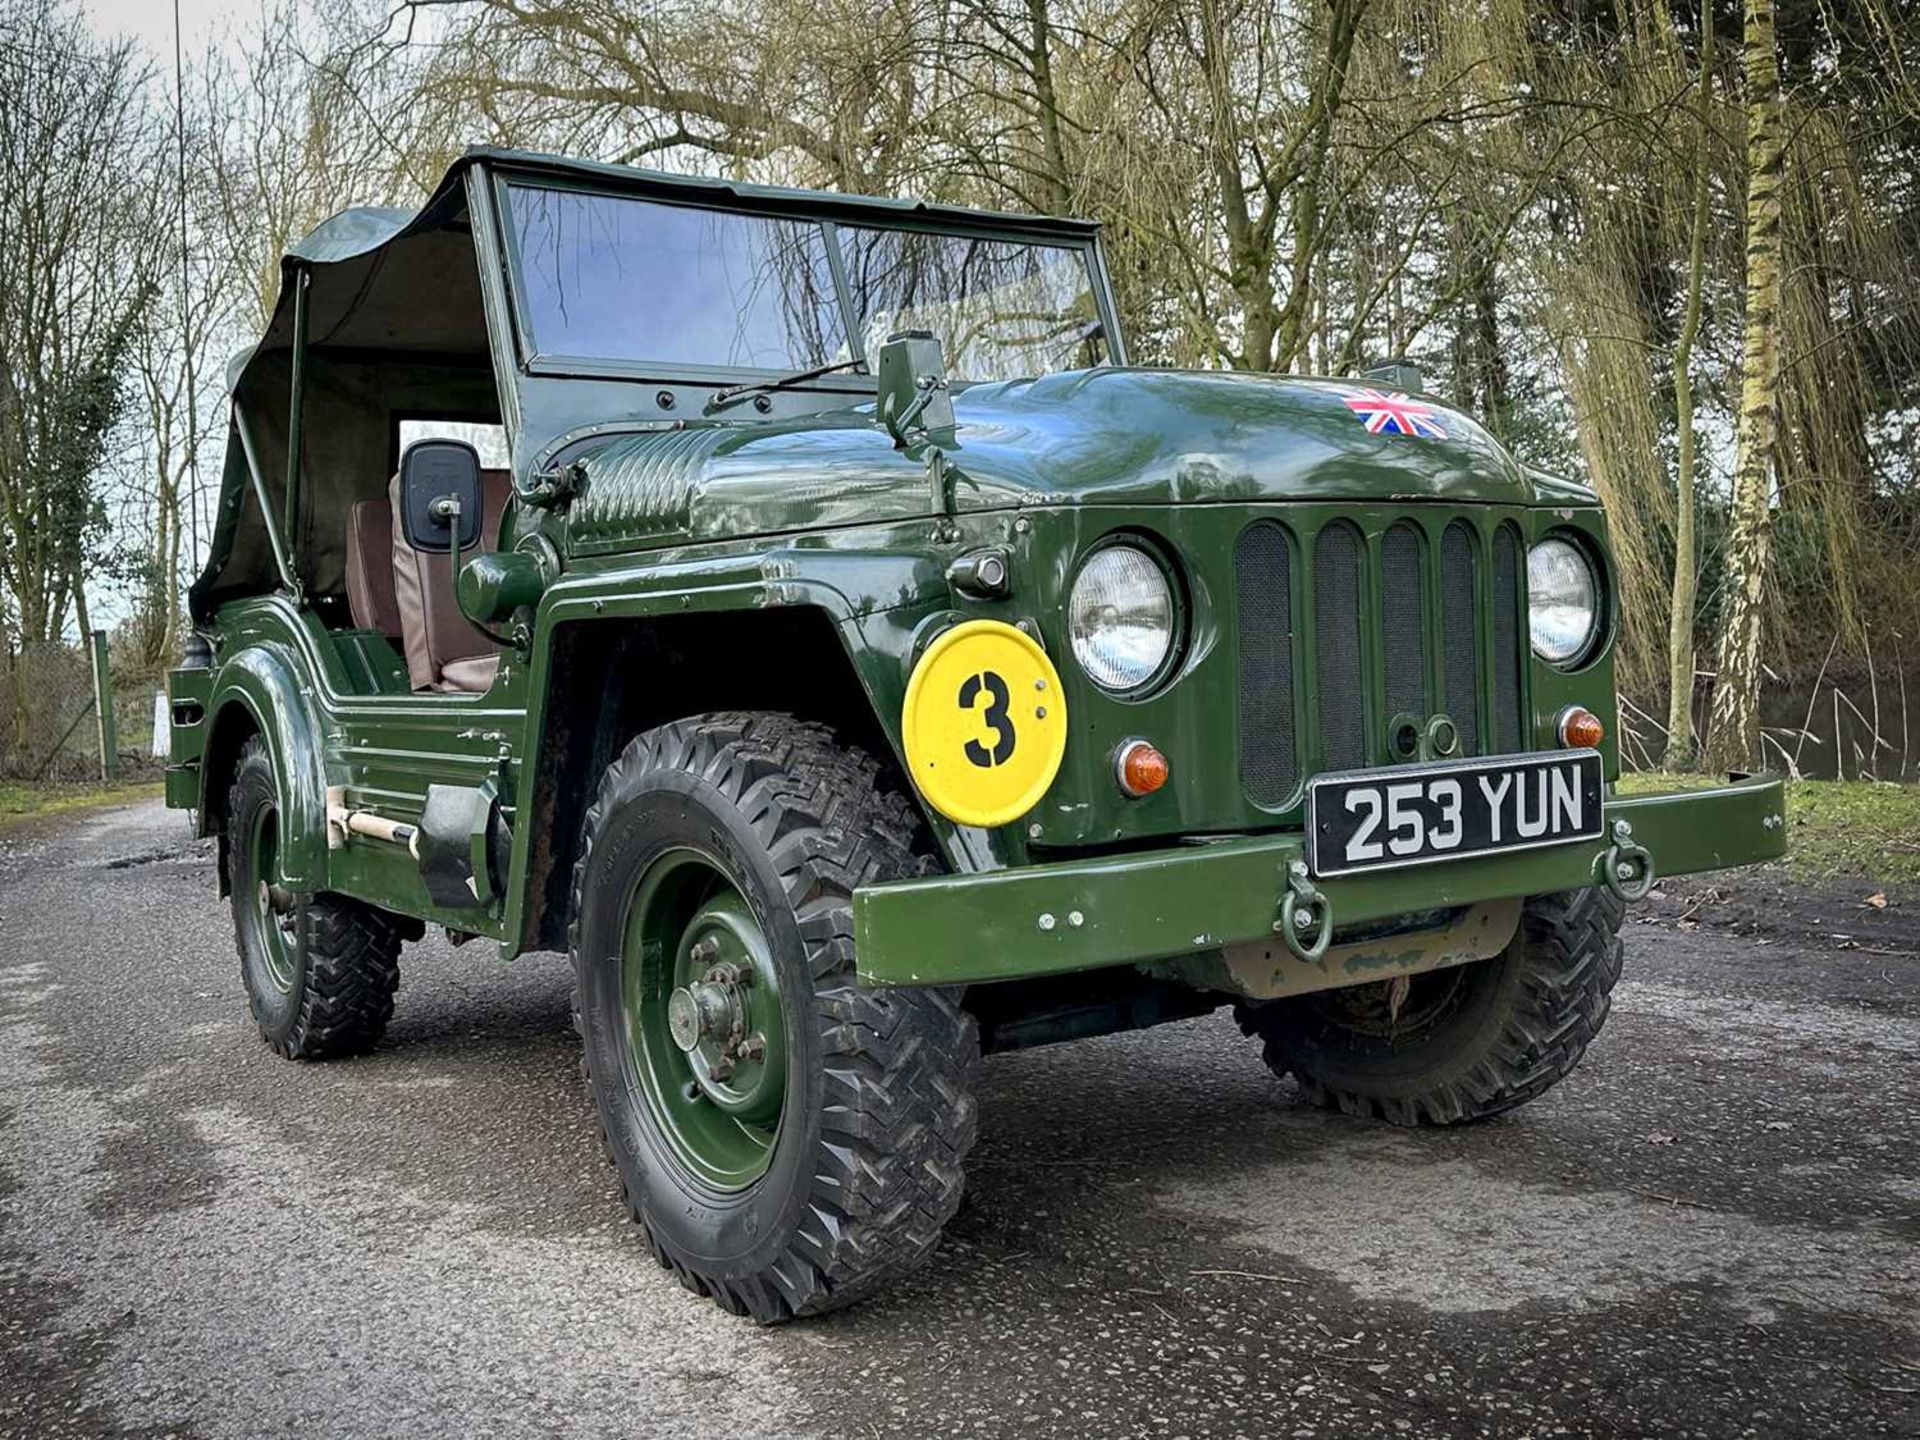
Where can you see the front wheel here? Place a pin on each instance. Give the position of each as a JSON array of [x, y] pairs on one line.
[[788, 1140], [1459, 1044]]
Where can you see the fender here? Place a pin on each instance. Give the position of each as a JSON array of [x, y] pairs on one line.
[[869, 591], [263, 682]]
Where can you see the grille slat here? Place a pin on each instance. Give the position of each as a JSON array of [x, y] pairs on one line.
[[1340, 681], [1507, 726], [1263, 580], [1415, 572], [1403, 620], [1460, 634]]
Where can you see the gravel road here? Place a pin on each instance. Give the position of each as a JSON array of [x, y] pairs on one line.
[[1713, 1229]]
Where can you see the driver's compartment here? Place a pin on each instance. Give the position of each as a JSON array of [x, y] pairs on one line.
[[392, 349], [407, 594]]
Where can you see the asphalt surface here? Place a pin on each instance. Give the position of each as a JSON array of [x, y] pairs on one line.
[[1712, 1229]]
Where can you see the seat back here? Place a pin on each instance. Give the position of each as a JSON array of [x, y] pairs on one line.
[[370, 568], [432, 629]]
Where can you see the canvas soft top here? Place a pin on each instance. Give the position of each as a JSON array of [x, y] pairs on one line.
[[396, 323]]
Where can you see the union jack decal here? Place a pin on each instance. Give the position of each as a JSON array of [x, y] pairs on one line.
[[1393, 414]]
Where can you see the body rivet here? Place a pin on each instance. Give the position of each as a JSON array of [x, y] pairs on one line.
[[1076, 919], [1046, 922]]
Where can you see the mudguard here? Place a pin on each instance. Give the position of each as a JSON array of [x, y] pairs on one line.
[[262, 682]]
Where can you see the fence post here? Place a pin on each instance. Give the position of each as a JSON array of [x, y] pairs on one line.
[[103, 707]]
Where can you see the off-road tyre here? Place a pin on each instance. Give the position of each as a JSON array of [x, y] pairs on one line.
[[866, 1166], [339, 1002], [1468, 1043]]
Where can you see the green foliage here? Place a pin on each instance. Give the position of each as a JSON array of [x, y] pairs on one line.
[[1837, 829]]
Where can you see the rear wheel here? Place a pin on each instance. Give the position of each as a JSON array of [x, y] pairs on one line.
[[336, 1000], [788, 1140], [1460, 1044]]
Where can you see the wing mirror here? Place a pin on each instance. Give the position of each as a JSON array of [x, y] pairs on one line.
[[441, 500], [913, 398]]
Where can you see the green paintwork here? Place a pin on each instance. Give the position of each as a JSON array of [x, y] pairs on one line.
[[276, 946], [632, 506], [684, 918], [1157, 904]]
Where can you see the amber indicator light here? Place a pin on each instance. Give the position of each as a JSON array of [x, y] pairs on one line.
[[1141, 768], [1580, 729]]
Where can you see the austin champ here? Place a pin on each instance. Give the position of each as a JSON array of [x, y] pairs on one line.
[[797, 608]]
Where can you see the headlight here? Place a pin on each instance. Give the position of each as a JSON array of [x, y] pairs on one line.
[[1562, 601], [1121, 618]]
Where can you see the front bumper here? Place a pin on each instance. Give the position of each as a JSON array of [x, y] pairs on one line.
[[1123, 909]]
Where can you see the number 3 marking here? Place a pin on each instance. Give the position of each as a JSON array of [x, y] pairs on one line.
[[1445, 794], [998, 698]]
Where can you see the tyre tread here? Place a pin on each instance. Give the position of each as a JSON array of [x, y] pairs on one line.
[[899, 1116], [353, 956], [1570, 962]]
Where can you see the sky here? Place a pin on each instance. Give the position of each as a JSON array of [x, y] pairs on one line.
[[151, 21]]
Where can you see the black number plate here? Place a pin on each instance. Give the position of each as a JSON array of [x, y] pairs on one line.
[[1417, 814]]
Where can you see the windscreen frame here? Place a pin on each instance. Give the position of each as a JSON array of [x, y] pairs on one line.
[[825, 211]]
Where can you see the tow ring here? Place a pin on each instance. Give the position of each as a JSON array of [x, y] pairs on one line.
[[1304, 911], [1626, 868]]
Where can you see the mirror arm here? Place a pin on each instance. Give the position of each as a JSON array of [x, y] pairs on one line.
[[447, 508]]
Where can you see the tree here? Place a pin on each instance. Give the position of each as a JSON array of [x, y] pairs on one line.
[[1734, 738], [72, 133], [1680, 743]]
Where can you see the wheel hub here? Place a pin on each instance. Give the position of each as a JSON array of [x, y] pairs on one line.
[[704, 1016], [273, 904], [719, 1014]]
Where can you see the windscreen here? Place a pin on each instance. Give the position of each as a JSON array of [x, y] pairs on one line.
[[1002, 309], [615, 278], [609, 277]]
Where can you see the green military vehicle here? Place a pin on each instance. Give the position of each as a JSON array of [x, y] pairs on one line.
[[857, 666]]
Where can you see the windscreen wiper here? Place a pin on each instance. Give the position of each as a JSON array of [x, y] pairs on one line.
[[723, 398]]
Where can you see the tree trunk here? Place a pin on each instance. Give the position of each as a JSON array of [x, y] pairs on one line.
[[1053, 147], [1680, 741], [1734, 738]]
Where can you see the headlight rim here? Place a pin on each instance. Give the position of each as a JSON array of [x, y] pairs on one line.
[[1156, 551], [1594, 643]]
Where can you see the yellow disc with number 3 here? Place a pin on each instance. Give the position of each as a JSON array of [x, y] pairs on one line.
[[985, 723]]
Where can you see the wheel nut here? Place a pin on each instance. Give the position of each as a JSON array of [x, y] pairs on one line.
[[753, 1049]]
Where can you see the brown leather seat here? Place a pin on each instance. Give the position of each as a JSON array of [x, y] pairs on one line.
[[370, 568], [444, 651]]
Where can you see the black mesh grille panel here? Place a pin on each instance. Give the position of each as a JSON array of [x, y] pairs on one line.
[[1459, 635], [1507, 727], [1263, 586], [1403, 620], [1340, 680]]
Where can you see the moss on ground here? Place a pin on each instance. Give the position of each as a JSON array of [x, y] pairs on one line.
[[22, 802], [1835, 828]]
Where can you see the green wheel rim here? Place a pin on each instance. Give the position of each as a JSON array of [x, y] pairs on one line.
[[706, 1032], [273, 918]]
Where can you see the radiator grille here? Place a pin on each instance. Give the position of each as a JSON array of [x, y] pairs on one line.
[[1460, 633], [1263, 579], [1339, 692], [1440, 598]]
